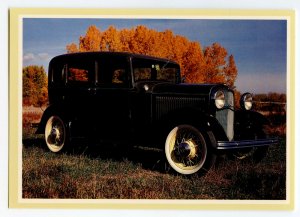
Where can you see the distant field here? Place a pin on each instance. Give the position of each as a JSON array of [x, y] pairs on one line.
[[91, 172]]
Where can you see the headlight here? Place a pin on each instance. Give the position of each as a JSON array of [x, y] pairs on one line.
[[219, 99], [246, 101]]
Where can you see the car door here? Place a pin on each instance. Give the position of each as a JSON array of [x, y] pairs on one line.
[[111, 96]]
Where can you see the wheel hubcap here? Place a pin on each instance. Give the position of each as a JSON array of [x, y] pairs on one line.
[[183, 150], [186, 150], [55, 134]]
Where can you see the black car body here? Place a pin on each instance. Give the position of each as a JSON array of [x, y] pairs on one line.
[[112, 96]]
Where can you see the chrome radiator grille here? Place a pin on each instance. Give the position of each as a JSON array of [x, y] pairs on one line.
[[226, 116], [165, 104]]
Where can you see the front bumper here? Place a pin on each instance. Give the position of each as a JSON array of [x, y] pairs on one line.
[[227, 145]]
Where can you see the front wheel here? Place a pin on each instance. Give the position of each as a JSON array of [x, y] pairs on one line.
[[186, 150], [55, 134], [255, 154]]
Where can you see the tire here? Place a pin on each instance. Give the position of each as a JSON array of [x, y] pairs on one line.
[[187, 151], [56, 134], [255, 154]]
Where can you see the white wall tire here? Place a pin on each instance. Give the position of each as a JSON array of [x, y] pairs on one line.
[[186, 149], [55, 134]]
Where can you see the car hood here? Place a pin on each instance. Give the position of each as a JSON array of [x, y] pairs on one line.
[[184, 88]]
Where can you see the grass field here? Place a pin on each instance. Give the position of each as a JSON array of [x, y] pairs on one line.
[[92, 172]]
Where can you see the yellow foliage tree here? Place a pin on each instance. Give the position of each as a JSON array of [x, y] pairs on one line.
[[91, 41], [35, 86], [210, 65]]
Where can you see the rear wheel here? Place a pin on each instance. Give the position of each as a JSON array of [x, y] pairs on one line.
[[187, 151], [56, 135]]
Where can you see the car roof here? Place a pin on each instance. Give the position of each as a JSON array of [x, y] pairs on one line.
[[106, 53]]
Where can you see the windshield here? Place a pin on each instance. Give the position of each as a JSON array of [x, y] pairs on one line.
[[154, 70]]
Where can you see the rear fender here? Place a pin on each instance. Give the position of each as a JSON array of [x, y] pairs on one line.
[[52, 109]]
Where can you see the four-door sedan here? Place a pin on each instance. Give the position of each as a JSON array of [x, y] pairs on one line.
[[118, 97]]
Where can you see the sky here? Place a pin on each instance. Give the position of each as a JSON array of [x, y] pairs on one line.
[[259, 47]]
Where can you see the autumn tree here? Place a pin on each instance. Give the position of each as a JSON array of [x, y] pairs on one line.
[[193, 63], [91, 41], [35, 86], [72, 48], [211, 65], [230, 72]]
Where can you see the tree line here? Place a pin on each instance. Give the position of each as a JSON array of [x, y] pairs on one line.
[[35, 86], [209, 65], [270, 102]]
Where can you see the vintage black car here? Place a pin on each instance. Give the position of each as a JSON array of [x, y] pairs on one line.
[[118, 97]]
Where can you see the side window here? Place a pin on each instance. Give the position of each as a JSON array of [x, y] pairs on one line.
[[142, 73], [113, 71], [76, 74], [119, 76], [80, 71]]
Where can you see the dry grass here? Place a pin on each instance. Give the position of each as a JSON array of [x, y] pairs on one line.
[[93, 173], [30, 115]]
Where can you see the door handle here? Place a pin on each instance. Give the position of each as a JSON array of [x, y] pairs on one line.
[[92, 91]]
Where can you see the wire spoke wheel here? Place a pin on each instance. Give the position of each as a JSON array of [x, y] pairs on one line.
[[55, 134], [185, 149]]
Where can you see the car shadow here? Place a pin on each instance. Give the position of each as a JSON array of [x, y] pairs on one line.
[[148, 158]]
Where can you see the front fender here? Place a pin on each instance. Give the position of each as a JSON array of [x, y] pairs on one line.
[[245, 117], [195, 117], [249, 123]]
